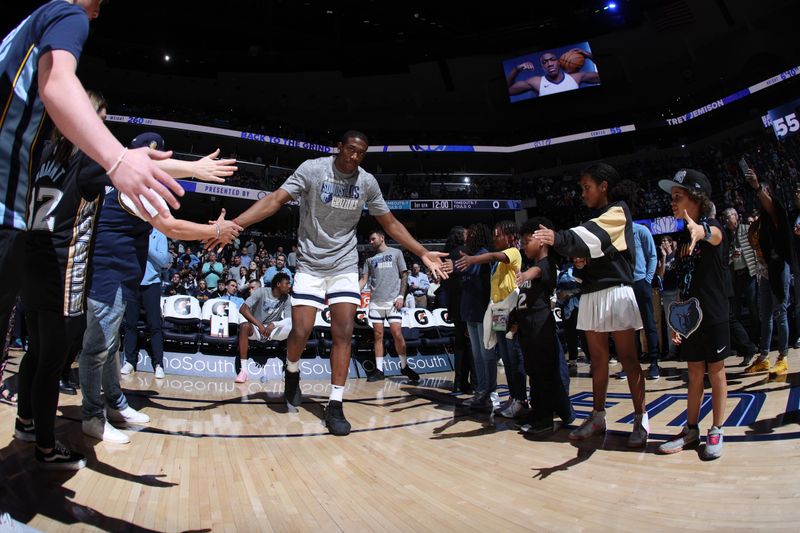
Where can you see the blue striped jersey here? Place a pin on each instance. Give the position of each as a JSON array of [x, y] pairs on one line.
[[24, 124]]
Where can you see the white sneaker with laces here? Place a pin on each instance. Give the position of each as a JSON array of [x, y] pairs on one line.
[[128, 415], [594, 425], [641, 429], [100, 429], [126, 369], [159, 372]]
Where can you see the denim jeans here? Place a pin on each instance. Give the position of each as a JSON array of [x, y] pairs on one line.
[[771, 309], [484, 361], [99, 359], [514, 365]]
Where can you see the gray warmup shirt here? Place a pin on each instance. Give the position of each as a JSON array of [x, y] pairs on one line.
[[330, 208], [266, 308], [384, 270]]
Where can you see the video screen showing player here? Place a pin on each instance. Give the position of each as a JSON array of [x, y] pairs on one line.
[[551, 71]]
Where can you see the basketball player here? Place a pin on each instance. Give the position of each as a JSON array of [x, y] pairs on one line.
[[555, 80], [387, 275], [333, 193], [268, 314]]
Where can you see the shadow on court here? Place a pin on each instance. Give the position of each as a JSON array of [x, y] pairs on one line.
[[27, 491]]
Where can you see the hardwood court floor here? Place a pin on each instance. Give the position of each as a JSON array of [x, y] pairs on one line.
[[223, 457]]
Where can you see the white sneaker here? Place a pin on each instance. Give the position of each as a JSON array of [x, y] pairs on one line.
[[126, 369], [159, 372], [102, 430], [641, 429], [594, 425], [128, 415], [495, 400], [513, 409]]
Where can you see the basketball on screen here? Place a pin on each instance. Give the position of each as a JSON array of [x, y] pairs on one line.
[[572, 61]]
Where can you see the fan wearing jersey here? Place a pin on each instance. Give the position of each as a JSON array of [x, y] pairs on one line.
[[38, 87], [64, 205], [701, 261]]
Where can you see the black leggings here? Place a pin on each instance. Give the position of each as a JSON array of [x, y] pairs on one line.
[[462, 356], [150, 298], [546, 367], [50, 336]]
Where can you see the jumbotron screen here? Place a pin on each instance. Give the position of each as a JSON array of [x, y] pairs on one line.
[[552, 71]]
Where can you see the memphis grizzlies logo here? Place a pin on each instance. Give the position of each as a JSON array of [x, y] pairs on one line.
[[340, 195], [685, 317]]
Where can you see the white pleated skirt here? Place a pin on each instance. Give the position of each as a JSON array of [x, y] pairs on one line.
[[611, 309]]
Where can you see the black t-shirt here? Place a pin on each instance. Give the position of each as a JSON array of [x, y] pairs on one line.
[[703, 273], [62, 227], [534, 296]]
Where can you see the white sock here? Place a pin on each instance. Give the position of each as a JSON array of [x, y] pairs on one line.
[[293, 366], [337, 392], [379, 363], [403, 361], [646, 422]]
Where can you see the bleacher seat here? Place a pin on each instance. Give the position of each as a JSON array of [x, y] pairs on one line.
[[181, 324], [212, 341]]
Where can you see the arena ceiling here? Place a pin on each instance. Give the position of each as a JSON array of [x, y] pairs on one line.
[[425, 72]]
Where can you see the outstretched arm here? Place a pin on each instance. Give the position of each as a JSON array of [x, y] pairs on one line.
[[467, 261], [221, 231], [132, 172], [263, 208], [208, 168], [763, 197], [395, 229]]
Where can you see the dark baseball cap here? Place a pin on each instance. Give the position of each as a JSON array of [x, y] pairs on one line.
[[149, 140], [687, 178]]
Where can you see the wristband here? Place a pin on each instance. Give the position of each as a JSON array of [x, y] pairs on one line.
[[217, 228], [118, 162], [707, 229]]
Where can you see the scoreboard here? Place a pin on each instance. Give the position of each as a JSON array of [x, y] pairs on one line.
[[454, 205]]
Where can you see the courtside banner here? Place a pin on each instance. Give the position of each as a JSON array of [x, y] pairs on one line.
[[217, 366], [423, 364]]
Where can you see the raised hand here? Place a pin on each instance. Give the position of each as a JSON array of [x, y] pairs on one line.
[[209, 168], [227, 232], [527, 65], [545, 235], [433, 260], [137, 176], [464, 262], [696, 231]]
